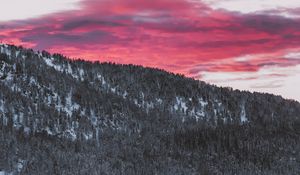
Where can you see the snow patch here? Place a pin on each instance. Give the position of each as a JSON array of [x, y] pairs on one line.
[[94, 120], [88, 136], [70, 133], [49, 62], [70, 106], [20, 165], [69, 70], [81, 74], [202, 102], [49, 132], [5, 173], [9, 77], [125, 94], [27, 130], [1, 106], [243, 116], [113, 89], [4, 49], [180, 104], [18, 120], [17, 53]]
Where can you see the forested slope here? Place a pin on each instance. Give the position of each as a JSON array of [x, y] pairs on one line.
[[63, 116]]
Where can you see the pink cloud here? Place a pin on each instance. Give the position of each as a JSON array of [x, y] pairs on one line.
[[179, 35]]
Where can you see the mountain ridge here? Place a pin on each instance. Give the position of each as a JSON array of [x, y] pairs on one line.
[[85, 105]]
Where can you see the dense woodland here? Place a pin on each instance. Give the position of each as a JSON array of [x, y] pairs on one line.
[[63, 116]]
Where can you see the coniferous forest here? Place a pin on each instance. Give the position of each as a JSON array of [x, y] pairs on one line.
[[63, 116]]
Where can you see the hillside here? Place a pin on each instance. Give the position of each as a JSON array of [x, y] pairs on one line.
[[63, 116]]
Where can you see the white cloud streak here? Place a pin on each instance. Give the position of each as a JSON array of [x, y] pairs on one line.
[[24, 9]]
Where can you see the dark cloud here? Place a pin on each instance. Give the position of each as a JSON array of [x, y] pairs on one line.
[[71, 25], [62, 39], [270, 24]]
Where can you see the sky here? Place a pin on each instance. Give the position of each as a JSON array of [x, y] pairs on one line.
[[248, 45]]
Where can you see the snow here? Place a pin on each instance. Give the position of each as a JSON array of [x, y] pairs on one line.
[[101, 78], [17, 53], [81, 73], [135, 102], [15, 88], [2, 110], [243, 114], [97, 136], [202, 102], [149, 105], [5, 49], [183, 105], [4, 120], [5, 173], [113, 89], [15, 119], [176, 107], [199, 114], [94, 120], [159, 100], [70, 106], [69, 70], [21, 117], [9, 77], [49, 62], [2, 106], [70, 133], [20, 165], [125, 94], [49, 99], [88, 136], [27, 130], [180, 104], [49, 132], [33, 81], [18, 119], [82, 112]]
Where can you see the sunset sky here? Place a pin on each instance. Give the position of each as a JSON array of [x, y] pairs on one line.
[[246, 44]]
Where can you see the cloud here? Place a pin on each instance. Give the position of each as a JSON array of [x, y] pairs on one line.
[[88, 23], [272, 84], [253, 6], [16, 10]]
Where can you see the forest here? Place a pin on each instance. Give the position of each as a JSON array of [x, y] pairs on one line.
[[68, 116]]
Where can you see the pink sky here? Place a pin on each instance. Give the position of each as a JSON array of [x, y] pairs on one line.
[[249, 45]]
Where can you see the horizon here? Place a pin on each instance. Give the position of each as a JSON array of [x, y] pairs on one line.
[[228, 43]]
